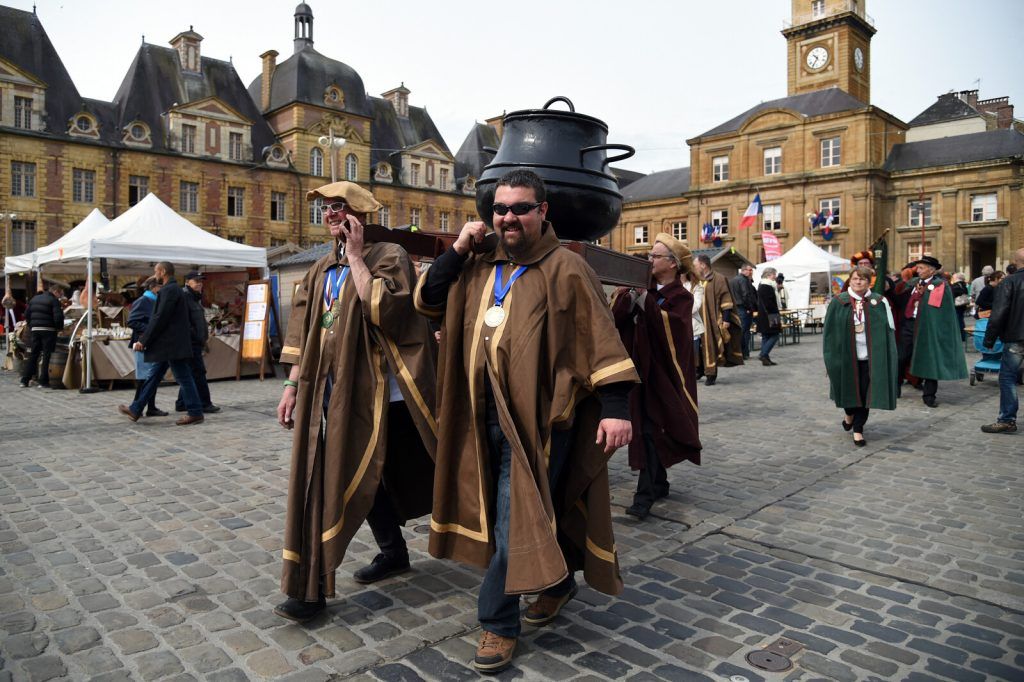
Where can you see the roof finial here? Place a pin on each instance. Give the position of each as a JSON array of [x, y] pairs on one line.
[[143, 38]]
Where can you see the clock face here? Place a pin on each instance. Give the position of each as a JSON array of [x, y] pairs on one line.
[[858, 59], [817, 58]]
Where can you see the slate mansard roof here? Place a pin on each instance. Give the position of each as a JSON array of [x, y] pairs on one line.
[[305, 76], [661, 185], [809, 104], [155, 83], [948, 107], [471, 158], [947, 151], [393, 133]]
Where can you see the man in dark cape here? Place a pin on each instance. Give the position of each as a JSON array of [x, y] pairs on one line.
[[656, 327], [722, 345], [360, 396], [531, 369], [931, 335]]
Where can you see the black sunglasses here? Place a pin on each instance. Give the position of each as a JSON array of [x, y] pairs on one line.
[[522, 208]]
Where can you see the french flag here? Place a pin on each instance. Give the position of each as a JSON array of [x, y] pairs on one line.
[[754, 210]]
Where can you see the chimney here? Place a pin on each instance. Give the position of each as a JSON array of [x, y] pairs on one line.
[[969, 96], [1000, 108], [399, 98], [498, 123], [269, 65], [186, 44]]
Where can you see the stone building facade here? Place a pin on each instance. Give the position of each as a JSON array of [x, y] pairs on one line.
[[236, 161], [958, 167]]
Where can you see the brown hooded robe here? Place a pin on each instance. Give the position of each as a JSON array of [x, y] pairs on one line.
[[720, 347], [659, 338], [556, 345], [338, 461]]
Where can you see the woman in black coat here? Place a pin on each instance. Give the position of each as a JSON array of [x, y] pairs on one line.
[[769, 324], [983, 306]]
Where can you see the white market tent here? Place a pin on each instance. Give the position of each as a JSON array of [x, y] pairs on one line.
[[79, 233], [146, 233], [798, 264]]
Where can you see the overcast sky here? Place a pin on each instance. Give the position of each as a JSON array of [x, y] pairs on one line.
[[657, 71]]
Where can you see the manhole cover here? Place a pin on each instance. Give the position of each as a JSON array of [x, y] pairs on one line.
[[770, 661]]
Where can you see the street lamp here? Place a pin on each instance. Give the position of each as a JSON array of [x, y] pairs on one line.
[[333, 144]]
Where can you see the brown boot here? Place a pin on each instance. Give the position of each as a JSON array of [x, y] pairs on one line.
[[494, 652], [546, 608]]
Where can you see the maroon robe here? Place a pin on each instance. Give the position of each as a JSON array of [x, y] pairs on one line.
[[659, 338]]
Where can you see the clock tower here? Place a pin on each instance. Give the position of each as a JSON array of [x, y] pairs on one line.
[[829, 45]]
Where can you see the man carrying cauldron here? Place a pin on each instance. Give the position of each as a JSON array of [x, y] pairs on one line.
[[359, 396], [532, 393]]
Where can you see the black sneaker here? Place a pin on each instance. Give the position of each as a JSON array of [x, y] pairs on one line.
[[710, 381], [638, 511], [1000, 427], [211, 409], [929, 401], [382, 567], [155, 412], [300, 611]]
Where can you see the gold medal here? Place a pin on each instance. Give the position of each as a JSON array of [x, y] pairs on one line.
[[494, 316], [859, 327]]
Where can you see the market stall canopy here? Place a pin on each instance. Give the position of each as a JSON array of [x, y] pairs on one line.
[[80, 233], [803, 259]]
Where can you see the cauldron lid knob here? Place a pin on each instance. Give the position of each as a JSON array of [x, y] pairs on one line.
[[560, 98]]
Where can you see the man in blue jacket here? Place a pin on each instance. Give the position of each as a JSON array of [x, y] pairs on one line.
[[167, 342], [138, 319]]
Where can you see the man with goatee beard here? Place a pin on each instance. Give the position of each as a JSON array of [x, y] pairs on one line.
[[533, 387], [359, 395]]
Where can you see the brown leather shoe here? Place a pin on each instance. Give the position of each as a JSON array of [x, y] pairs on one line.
[[494, 652], [185, 421], [127, 411], [546, 608]]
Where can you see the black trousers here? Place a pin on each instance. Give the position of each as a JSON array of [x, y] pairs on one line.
[[929, 386], [382, 518], [860, 414], [198, 367], [43, 345], [652, 482]]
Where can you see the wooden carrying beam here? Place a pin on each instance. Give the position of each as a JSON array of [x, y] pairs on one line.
[[612, 267]]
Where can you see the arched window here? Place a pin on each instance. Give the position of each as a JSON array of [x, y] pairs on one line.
[[316, 161], [351, 167]]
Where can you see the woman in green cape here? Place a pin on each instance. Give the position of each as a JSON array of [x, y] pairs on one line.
[[860, 352]]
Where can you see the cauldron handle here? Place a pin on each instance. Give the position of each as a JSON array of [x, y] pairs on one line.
[[629, 151], [560, 99], [489, 150]]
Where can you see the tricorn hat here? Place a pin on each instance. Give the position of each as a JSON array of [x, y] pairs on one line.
[[929, 260], [678, 249], [355, 196]]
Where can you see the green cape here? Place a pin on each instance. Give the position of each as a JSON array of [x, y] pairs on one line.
[[938, 346], [840, 349]]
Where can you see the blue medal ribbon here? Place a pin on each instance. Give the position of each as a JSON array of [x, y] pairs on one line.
[[332, 284], [501, 291]]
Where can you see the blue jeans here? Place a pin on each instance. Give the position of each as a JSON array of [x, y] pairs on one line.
[[499, 612], [182, 374], [1009, 368], [745, 321], [768, 342]]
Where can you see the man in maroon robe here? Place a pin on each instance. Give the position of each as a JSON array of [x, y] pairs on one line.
[[657, 329]]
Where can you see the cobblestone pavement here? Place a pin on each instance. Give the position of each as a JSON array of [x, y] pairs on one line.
[[148, 551]]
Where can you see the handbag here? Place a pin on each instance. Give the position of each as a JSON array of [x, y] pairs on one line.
[[774, 321], [962, 301]]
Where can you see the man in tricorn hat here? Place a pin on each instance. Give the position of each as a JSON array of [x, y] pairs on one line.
[[656, 326], [932, 345], [359, 396], [533, 392]]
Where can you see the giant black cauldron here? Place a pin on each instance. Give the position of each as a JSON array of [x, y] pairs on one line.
[[568, 151]]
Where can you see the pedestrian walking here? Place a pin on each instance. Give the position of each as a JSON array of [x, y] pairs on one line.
[[139, 316], [167, 343], [1006, 323], [721, 345], [744, 295], [360, 398], [193, 291], [931, 336], [44, 318], [859, 346], [769, 321], [533, 392], [655, 327]]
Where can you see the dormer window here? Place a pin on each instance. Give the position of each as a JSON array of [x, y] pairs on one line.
[[83, 124], [333, 96], [136, 134], [382, 173], [137, 131]]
